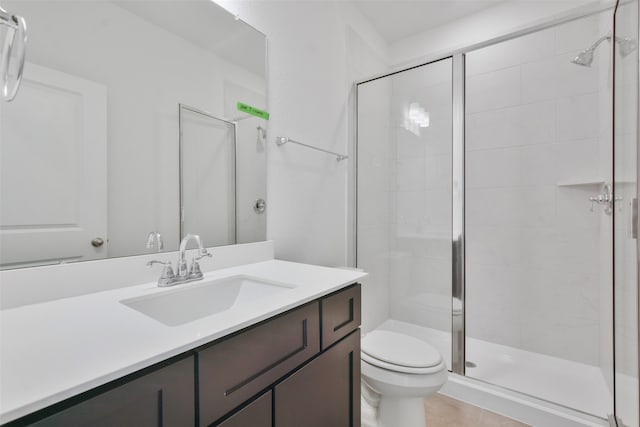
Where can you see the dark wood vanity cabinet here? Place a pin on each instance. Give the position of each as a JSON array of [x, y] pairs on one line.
[[164, 397], [239, 367], [324, 392], [256, 414], [341, 314], [308, 359], [298, 369]]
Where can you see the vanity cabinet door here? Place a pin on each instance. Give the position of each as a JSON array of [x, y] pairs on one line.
[[162, 398], [340, 314], [325, 392], [256, 414], [242, 366]]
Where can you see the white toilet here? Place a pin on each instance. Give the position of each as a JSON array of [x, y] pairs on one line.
[[403, 370]]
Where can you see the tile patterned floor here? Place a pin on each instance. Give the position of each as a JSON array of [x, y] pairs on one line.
[[443, 411]]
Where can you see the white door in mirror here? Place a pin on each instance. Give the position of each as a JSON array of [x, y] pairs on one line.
[[53, 170]]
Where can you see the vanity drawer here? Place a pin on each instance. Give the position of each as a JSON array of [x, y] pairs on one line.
[[234, 370], [340, 314]]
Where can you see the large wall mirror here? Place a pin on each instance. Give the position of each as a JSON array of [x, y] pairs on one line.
[[90, 149]]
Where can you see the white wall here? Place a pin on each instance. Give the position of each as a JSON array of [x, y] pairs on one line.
[[316, 50]]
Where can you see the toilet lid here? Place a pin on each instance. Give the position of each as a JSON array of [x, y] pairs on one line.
[[400, 349]]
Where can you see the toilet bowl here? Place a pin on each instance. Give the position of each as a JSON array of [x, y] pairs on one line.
[[404, 371]]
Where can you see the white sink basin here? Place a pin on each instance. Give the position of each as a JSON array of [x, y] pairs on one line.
[[196, 300]]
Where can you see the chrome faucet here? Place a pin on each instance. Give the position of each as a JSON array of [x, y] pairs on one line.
[[182, 263], [183, 274]]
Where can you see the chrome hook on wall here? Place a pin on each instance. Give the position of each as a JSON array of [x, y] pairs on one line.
[[14, 46]]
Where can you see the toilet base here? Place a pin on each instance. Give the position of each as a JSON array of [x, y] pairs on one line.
[[405, 412]]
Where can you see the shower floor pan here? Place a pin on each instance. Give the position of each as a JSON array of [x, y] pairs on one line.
[[563, 382]]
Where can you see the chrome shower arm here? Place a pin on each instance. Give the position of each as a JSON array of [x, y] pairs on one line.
[[8, 19], [598, 42], [14, 50]]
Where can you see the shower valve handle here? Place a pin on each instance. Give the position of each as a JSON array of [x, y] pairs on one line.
[[605, 198]]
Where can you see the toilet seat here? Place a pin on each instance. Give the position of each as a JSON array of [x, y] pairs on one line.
[[400, 353]]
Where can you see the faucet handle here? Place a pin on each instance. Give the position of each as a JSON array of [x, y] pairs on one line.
[[194, 270], [203, 254], [195, 266], [167, 271], [182, 268]]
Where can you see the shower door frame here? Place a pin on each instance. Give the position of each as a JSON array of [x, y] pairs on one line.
[[458, 332], [458, 166], [614, 419]]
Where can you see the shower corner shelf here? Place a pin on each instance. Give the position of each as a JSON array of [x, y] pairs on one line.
[[581, 182], [595, 182]]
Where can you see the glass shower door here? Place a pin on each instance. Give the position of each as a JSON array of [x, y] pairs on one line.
[[625, 235], [538, 251], [404, 203]]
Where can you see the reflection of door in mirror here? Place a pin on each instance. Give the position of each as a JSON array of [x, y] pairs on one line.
[[148, 56], [53, 142], [207, 177]]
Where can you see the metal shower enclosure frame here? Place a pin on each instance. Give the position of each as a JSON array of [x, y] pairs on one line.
[[458, 163]]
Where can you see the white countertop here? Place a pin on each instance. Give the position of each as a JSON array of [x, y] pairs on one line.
[[57, 349]]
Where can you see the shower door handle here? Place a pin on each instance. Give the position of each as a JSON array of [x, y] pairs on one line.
[[634, 218]]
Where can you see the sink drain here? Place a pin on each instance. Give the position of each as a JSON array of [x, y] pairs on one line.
[[469, 364]]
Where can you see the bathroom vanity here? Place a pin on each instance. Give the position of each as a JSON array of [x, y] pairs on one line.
[[299, 368], [290, 359]]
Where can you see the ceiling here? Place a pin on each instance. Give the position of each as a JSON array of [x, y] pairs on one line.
[[208, 26], [397, 19]]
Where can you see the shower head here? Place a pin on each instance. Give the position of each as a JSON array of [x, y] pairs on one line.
[[585, 58]]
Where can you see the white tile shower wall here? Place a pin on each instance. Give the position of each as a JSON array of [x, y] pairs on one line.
[[533, 122]]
